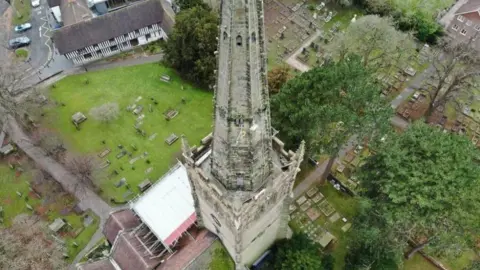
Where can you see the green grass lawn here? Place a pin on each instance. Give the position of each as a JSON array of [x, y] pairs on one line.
[[21, 54], [345, 206], [221, 260], [123, 86], [84, 237], [21, 12], [417, 262], [12, 204]]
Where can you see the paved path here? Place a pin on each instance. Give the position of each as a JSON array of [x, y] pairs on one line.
[[292, 59], [93, 241], [86, 197]]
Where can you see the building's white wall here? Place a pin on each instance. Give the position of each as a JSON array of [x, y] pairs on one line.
[[123, 43]]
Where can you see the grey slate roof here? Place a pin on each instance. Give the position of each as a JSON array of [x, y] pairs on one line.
[[102, 28]]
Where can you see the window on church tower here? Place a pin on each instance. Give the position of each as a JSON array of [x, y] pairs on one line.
[[239, 40], [217, 222]]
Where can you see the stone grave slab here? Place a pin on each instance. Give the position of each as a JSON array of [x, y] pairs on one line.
[[133, 160], [104, 153], [78, 118], [121, 154], [312, 191], [340, 168], [171, 139], [144, 185], [346, 227], [318, 197], [325, 239], [326, 208], [334, 217], [301, 200], [7, 149], [305, 206], [152, 137], [313, 213]]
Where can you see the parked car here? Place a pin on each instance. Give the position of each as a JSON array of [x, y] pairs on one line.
[[18, 42], [23, 27], [35, 3]]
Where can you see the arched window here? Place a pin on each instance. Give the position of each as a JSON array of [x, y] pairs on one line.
[[254, 38], [239, 40], [225, 35], [217, 222]]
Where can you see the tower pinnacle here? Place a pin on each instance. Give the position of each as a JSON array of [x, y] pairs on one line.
[[242, 146]]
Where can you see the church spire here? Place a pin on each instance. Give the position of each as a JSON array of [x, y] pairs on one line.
[[242, 146]]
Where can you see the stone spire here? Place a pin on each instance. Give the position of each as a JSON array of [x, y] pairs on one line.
[[242, 137]]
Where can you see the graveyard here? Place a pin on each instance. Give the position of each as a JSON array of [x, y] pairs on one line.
[[28, 191], [325, 215], [132, 150], [462, 118], [290, 23]]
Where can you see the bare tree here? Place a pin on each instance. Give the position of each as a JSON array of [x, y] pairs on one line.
[[106, 112], [84, 168], [49, 141], [376, 40], [456, 69], [25, 246]]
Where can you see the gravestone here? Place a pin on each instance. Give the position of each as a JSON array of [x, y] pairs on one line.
[[104, 153], [121, 182], [171, 139], [144, 185], [152, 137], [149, 170], [138, 109], [165, 78], [121, 154], [87, 220], [78, 118], [7, 149], [334, 217], [56, 225]]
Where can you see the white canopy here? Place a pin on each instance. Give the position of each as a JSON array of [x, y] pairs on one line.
[[167, 207]]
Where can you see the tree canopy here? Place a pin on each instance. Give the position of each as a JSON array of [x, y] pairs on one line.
[[190, 47], [425, 185], [327, 105], [297, 253], [186, 4], [376, 40], [277, 77]]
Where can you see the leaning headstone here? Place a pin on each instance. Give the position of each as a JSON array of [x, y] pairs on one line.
[[19, 194], [133, 160], [121, 182], [144, 185], [121, 154], [152, 137]]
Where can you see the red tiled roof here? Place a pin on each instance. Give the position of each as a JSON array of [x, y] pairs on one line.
[[183, 257], [181, 229], [120, 220], [129, 253], [470, 6], [103, 264]]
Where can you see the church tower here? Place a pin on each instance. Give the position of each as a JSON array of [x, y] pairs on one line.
[[241, 175]]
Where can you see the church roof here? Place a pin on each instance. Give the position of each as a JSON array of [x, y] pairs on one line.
[[167, 207]]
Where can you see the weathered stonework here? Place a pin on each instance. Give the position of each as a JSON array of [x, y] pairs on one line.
[[241, 176]]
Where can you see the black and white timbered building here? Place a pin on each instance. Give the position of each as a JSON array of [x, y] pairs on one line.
[[121, 30]]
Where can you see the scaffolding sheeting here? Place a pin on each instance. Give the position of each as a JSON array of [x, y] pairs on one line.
[[167, 207]]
